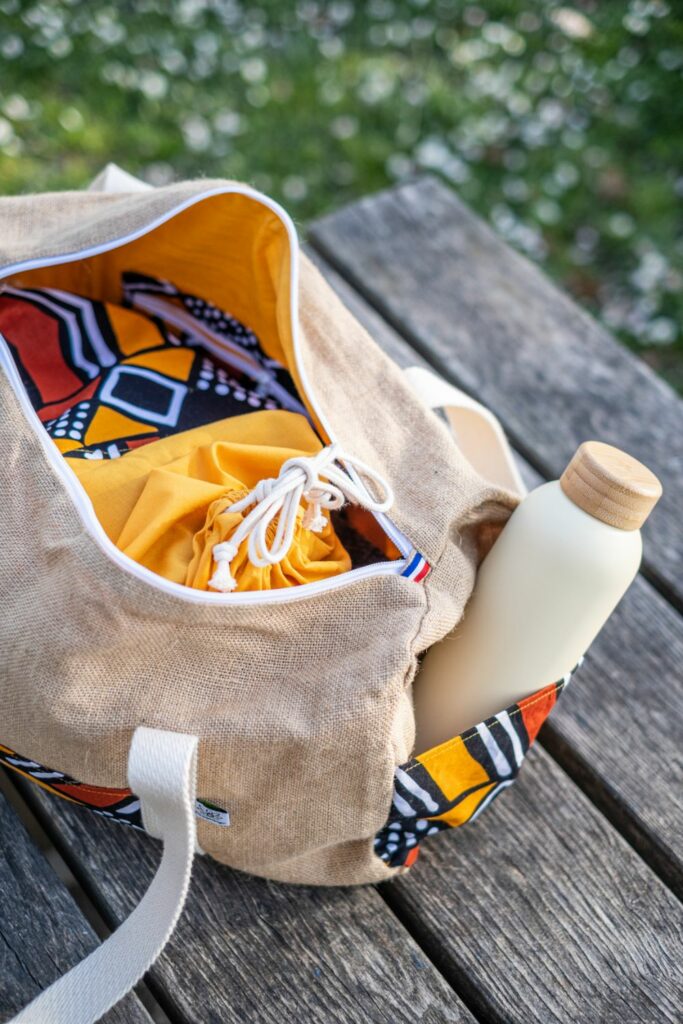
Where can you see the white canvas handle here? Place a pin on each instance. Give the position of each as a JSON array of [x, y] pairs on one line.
[[113, 178], [162, 772], [477, 432]]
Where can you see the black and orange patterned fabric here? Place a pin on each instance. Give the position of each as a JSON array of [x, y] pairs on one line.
[[116, 804], [120, 804], [106, 378], [441, 789], [451, 784]]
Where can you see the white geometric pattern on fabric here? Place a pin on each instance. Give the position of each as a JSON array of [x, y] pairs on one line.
[[162, 772]]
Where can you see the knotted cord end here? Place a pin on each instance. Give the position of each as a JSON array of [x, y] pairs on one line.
[[317, 523], [321, 483], [222, 579], [313, 518]]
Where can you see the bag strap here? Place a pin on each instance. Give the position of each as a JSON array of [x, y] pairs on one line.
[[162, 772], [113, 178], [477, 432]]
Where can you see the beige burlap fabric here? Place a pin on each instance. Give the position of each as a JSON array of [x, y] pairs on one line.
[[303, 709]]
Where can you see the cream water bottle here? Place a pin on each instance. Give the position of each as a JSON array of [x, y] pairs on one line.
[[561, 564]]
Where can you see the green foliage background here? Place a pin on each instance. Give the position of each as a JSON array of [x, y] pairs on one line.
[[562, 124]]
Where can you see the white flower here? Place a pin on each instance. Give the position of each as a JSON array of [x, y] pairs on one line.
[[572, 22]]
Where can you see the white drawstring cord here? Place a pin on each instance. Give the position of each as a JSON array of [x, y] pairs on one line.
[[315, 478]]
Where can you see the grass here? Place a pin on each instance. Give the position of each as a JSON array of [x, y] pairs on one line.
[[560, 124]]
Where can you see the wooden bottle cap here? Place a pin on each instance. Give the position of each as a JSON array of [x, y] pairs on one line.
[[611, 485]]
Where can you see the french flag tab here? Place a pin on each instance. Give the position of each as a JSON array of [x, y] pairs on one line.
[[417, 567]]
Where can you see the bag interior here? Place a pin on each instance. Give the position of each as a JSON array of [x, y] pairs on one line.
[[226, 254]]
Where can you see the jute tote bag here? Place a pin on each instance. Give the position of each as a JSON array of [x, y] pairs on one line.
[[206, 716]]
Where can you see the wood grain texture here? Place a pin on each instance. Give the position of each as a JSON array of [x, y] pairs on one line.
[[619, 727], [541, 914], [42, 931], [495, 325], [621, 722], [247, 950]]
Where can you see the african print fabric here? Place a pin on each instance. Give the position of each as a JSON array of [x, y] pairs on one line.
[[107, 378], [445, 787], [111, 803], [454, 782], [117, 804]]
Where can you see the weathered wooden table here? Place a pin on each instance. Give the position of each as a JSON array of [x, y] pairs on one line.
[[562, 902]]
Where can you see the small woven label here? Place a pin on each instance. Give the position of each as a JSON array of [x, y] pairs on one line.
[[209, 812]]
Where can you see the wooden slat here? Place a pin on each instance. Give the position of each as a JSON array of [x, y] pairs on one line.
[[619, 727], [540, 912], [493, 322], [42, 931], [248, 950]]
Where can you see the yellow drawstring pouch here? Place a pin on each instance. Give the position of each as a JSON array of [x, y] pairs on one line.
[[167, 505]]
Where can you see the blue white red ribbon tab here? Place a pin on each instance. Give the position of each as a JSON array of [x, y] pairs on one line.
[[417, 567]]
